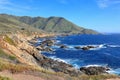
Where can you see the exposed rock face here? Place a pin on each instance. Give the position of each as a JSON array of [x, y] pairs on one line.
[[94, 70], [22, 56], [58, 66]]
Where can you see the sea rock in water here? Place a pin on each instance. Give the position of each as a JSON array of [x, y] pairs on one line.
[[94, 70], [85, 48], [48, 42], [88, 47], [77, 47], [48, 49], [91, 46], [63, 46]]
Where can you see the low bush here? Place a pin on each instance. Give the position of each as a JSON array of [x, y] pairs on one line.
[[4, 78]]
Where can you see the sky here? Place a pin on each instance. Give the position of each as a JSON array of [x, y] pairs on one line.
[[100, 15]]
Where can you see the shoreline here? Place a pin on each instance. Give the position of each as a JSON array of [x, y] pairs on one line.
[[32, 56], [111, 71]]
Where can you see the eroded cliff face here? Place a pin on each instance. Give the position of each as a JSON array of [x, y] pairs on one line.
[[17, 49], [19, 46]]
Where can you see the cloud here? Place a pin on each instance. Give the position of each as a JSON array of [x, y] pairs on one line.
[[107, 3], [8, 5]]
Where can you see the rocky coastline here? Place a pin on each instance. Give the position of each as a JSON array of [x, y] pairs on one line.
[[45, 45], [27, 53]]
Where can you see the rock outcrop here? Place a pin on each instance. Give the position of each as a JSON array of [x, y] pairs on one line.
[[94, 70]]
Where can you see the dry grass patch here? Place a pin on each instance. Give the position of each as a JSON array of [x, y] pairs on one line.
[[6, 65], [9, 40], [97, 77], [4, 78]]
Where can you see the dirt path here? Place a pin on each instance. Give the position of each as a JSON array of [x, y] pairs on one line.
[[19, 76], [114, 79]]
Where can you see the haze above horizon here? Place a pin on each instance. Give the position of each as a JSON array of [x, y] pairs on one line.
[[100, 15]]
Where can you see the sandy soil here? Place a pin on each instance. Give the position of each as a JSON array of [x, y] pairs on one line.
[[114, 79], [19, 76]]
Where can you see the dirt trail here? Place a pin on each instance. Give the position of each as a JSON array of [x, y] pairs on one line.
[[19, 76], [114, 79]]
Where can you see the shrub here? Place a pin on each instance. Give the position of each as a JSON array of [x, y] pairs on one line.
[[9, 40]]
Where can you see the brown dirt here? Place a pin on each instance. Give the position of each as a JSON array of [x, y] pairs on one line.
[[114, 79], [20, 76]]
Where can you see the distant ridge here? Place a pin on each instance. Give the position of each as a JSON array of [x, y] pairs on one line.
[[51, 24]]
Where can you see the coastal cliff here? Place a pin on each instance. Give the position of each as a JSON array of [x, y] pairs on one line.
[[25, 54], [24, 57], [21, 60]]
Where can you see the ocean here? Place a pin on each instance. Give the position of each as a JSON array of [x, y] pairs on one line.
[[107, 52]]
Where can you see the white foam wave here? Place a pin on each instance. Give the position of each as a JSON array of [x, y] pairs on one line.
[[114, 71], [93, 65], [76, 66], [68, 61], [58, 59], [97, 46], [114, 46], [58, 41]]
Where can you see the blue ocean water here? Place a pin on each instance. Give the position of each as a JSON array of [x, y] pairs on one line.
[[107, 53]]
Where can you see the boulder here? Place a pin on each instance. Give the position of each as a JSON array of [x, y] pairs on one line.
[[48, 42], [85, 48], [88, 47], [94, 70], [48, 49], [77, 47], [40, 48], [63, 46], [91, 46]]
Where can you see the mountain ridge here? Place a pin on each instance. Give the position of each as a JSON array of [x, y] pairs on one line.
[[50, 24]]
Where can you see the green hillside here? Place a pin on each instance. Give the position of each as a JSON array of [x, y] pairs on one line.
[[9, 23], [51, 24]]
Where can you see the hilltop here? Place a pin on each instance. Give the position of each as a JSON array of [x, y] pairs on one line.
[[40, 24]]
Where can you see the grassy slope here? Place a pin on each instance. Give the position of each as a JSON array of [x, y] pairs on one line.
[[10, 24], [55, 24], [51, 24]]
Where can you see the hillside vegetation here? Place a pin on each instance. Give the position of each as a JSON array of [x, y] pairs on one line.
[[40, 24], [9, 24]]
